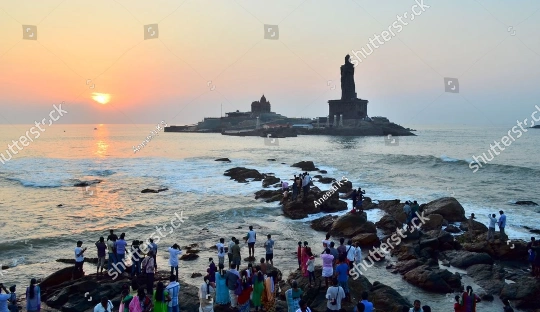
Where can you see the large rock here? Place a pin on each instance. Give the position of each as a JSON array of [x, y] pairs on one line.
[[393, 208], [388, 224], [305, 166], [434, 223], [269, 180], [448, 207], [464, 259], [323, 224], [433, 280], [514, 250], [299, 210], [366, 239], [478, 227], [351, 224], [241, 174], [452, 229], [269, 195]]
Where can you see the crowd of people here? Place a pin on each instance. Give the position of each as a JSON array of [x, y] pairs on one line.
[[300, 187]]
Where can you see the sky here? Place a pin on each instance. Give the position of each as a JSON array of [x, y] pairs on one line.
[[207, 57]]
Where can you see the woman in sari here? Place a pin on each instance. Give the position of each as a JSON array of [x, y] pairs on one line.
[[160, 298], [141, 302], [258, 288], [305, 258], [222, 292], [269, 293], [243, 298], [205, 296], [33, 297], [293, 296], [469, 300], [125, 299]]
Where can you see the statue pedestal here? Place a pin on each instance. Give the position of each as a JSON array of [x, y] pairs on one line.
[[350, 109]]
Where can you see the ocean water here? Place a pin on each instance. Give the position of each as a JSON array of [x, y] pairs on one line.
[[35, 230]]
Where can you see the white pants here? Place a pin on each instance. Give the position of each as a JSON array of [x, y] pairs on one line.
[[234, 298]]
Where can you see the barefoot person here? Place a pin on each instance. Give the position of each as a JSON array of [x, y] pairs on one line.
[[101, 248], [174, 252], [79, 259], [269, 245]]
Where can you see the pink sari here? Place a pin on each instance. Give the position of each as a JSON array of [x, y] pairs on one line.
[[305, 258]]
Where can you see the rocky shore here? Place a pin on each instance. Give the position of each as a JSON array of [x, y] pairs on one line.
[[425, 257]]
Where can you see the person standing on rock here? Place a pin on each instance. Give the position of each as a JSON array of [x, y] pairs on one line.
[[502, 225], [269, 246], [354, 197], [342, 275], [251, 238], [33, 297], [229, 250], [311, 268], [221, 251], [491, 227], [173, 289], [305, 258], [360, 199], [471, 228], [101, 247], [120, 250], [327, 266], [305, 185], [294, 189], [79, 258], [407, 211], [299, 255], [334, 295], [236, 257], [112, 255], [153, 247], [174, 252], [149, 268]]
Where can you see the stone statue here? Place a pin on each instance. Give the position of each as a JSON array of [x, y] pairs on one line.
[[347, 80]]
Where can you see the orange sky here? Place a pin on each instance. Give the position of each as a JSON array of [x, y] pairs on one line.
[[222, 41]]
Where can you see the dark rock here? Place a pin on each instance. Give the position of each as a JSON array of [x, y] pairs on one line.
[[388, 224], [526, 203], [323, 171], [431, 243], [344, 186], [326, 180], [487, 297], [464, 259], [305, 166], [448, 207], [189, 257], [478, 227], [352, 224], [515, 250], [271, 159], [452, 229], [195, 275], [393, 208], [273, 195], [433, 280], [434, 223], [366, 239], [323, 224], [534, 231], [240, 174], [162, 190], [405, 266], [223, 159], [269, 180], [59, 205], [318, 176], [86, 183]]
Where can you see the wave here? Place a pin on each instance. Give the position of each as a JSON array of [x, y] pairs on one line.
[[101, 173], [36, 184]]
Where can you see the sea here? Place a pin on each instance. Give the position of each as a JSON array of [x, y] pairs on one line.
[[43, 215]]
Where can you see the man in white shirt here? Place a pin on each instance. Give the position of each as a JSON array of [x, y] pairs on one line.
[[174, 252], [335, 294], [251, 238], [491, 227], [221, 251], [326, 242], [357, 253], [305, 184], [104, 306], [79, 257], [350, 253]]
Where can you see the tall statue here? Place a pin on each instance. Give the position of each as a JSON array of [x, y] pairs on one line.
[[348, 89]]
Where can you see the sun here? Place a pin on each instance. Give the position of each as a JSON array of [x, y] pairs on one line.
[[101, 98]]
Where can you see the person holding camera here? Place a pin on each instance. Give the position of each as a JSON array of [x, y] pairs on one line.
[[335, 294], [174, 252], [79, 258], [4, 298]]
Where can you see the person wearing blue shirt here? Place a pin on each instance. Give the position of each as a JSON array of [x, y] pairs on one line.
[[342, 271], [502, 225], [120, 247], [368, 306]]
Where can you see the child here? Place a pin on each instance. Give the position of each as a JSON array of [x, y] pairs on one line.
[[458, 307], [311, 267]]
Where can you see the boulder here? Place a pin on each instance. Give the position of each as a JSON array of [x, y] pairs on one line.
[[305, 166], [189, 257], [403, 267], [240, 174], [434, 223], [393, 208], [270, 195], [269, 180], [433, 280], [452, 229], [448, 207], [464, 259], [344, 186], [478, 227], [513, 250], [323, 171], [326, 180], [388, 224], [351, 224], [323, 224], [299, 210], [86, 183], [366, 239], [526, 203]]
